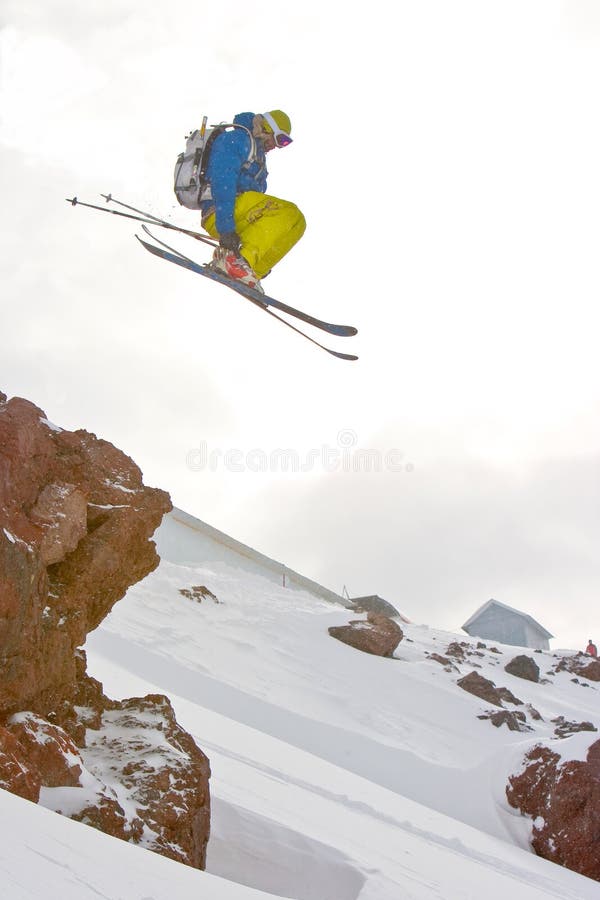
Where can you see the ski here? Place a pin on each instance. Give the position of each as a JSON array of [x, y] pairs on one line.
[[186, 262], [258, 299]]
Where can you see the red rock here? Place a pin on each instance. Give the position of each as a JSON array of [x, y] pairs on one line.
[[514, 720], [443, 661], [61, 511], [63, 570], [75, 528], [476, 684], [457, 650], [16, 775], [378, 635], [563, 799], [107, 815], [523, 667], [591, 671], [581, 664], [48, 748], [165, 773]]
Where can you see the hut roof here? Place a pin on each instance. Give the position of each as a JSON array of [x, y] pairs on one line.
[[516, 612]]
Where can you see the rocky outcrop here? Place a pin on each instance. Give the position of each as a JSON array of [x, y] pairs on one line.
[[457, 650], [523, 667], [50, 752], [75, 528], [564, 728], [514, 720], [444, 661], [75, 523], [198, 592], [476, 684], [581, 665], [589, 670], [16, 775], [462, 651], [377, 634], [563, 799], [164, 774]]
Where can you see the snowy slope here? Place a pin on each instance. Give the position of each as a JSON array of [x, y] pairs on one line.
[[336, 775]]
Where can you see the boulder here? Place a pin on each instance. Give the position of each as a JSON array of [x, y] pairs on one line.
[[563, 799], [523, 667], [476, 684], [377, 634]]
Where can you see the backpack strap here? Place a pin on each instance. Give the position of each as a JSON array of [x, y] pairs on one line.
[[219, 129]]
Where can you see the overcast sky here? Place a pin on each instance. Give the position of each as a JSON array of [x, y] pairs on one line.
[[446, 159]]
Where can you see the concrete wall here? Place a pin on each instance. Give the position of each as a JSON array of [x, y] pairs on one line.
[[185, 540]]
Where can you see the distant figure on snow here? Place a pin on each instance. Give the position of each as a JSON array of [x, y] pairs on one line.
[[591, 649], [254, 229]]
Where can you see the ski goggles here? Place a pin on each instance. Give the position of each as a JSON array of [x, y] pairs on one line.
[[270, 125]]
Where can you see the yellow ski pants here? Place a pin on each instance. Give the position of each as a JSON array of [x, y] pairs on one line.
[[268, 228]]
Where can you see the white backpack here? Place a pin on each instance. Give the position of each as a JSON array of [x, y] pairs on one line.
[[190, 184]]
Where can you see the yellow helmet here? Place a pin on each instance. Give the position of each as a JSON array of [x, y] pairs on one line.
[[282, 119], [278, 123]]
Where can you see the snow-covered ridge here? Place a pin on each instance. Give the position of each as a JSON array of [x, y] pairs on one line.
[[336, 775]]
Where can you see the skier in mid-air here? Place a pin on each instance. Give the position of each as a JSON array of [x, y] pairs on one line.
[[254, 229], [223, 174]]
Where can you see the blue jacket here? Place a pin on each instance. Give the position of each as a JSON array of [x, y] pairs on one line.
[[228, 173]]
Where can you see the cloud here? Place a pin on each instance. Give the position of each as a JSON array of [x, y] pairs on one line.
[[581, 19], [440, 540]]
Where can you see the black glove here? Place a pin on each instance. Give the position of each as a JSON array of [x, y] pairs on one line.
[[230, 240]]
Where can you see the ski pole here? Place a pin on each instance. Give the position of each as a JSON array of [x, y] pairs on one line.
[[150, 221], [110, 199]]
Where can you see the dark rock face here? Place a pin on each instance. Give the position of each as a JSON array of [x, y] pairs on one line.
[[482, 687], [75, 528], [377, 635], [523, 667], [563, 800]]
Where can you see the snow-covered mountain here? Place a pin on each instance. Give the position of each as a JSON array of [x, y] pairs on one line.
[[336, 775]]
